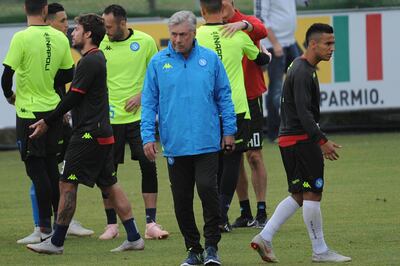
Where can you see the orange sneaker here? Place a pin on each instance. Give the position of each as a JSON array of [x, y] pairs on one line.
[[110, 232], [155, 231]]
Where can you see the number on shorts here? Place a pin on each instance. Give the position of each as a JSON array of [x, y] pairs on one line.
[[255, 141]]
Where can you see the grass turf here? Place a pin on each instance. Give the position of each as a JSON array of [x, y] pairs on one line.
[[361, 212]]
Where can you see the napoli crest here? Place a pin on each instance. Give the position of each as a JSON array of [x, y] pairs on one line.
[[202, 62], [319, 183], [171, 160], [135, 46]]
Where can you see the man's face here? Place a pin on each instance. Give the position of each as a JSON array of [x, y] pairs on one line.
[[114, 27], [325, 46], [228, 10], [182, 36], [78, 39], [60, 21]]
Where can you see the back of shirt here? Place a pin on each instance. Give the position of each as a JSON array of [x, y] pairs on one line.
[[36, 54], [230, 51], [127, 62], [91, 115]]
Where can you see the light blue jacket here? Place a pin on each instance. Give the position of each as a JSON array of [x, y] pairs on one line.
[[188, 95]]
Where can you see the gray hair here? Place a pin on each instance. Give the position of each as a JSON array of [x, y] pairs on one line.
[[182, 17]]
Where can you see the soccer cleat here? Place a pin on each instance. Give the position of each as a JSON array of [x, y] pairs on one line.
[[260, 221], [193, 259], [45, 236], [155, 231], [46, 247], [110, 232], [130, 245], [211, 257], [243, 221], [32, 238], [330, 256], [225, 228], [264, 248], [76, 229]]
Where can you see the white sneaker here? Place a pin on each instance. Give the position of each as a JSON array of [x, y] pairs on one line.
[[329, 256], [264, 249], [46, 247], [32, 238], [76, 229], [127, 245]]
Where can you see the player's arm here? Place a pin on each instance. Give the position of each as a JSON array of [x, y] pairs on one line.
[[302, 84], [63, 77], [223, 98], [253, 53], [150, 103], [259, 31], [6, 84]]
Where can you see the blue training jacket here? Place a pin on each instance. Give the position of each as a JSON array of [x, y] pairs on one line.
[[188, 95]]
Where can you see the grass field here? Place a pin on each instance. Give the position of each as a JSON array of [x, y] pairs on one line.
[[361, 211]]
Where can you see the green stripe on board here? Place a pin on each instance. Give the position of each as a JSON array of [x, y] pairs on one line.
[[341, 54]]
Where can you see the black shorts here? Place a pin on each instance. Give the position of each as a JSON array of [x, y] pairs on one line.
[[49, 143], [256, 123], [243, 133], [304, 165], [130, 133], [66, 136], [88, 163]]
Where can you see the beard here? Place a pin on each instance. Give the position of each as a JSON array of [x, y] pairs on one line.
[[78, 46], [118, 35]]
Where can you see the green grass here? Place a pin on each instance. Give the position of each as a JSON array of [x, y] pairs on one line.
[[361, 211]]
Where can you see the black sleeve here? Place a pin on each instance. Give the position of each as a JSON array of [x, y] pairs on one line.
[[262, 59], [63, 76], [7, 81], [70, 100], [85, 74]]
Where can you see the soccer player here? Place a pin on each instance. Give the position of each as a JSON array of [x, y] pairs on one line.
[[89, 157], [57, 18], [128, 52], [255, 87], [230, 51], [37, 54], [186, 85], [303, 147]]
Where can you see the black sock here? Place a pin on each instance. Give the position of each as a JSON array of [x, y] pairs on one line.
[[45, 223], [131, 230], [261, 209], [245, 210], [151, 215], [59, 235], [111, 216]]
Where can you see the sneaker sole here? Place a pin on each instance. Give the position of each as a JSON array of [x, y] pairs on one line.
[[108, 238], [257, 248], [161, 237], [45, 251]]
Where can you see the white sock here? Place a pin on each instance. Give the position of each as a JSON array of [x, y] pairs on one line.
[[285, 209], [313, 220]]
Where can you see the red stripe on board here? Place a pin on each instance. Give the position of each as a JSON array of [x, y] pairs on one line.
[[374, 46]]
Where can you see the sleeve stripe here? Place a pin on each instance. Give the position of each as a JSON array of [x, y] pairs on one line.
[[78, 90]]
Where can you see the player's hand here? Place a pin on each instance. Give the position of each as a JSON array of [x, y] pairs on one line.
[[150, 150], [11, 100], [133, 103], [228, 30], [228, 144], [66, 118], [329, 150], [265, 51], [278, 50], [39, 128]]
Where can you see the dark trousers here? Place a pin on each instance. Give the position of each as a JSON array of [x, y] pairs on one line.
[[184, 173]]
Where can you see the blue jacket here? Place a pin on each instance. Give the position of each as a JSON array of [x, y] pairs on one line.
[[188, 95]]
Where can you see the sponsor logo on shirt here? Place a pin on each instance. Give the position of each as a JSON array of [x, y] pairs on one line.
[[167, 66]]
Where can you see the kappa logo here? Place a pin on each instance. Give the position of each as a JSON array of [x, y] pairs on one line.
[[72, 177], [108, 48], [306, 185], [87, 136], [167, 66]]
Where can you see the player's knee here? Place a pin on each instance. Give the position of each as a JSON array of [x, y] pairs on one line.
[[255, 158]]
